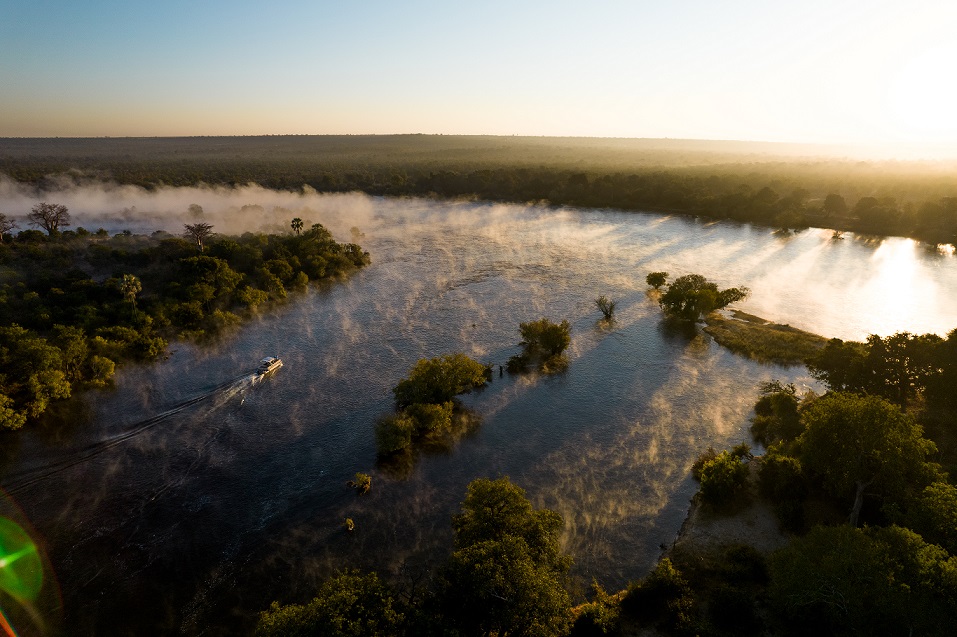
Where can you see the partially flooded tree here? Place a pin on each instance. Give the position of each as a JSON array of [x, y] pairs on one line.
[[198, 232], [656, 279], [606, 305], [49, 216], [692, 296]]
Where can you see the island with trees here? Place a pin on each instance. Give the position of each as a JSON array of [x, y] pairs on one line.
[[74, 304]]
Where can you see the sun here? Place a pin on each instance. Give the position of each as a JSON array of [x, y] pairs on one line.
[[922, 96]]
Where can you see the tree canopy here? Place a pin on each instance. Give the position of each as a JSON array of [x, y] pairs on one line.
[[49, 216], [438, 380], [691, 296], [859, 443]]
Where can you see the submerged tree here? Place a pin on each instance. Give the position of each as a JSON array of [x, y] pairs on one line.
[[49, 216], [656, 279], [606, 305], [198, 232]]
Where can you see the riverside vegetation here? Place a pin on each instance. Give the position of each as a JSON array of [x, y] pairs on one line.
[[856, 455], [74, 304], [777, 185]]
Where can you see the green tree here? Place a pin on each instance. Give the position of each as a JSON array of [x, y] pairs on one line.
[[723, 478], [834, 204], [351, 604], [438, 380], [857, 444], [297, 226], [776, 416], [606, 306], [692, 296], [545, 337], [131, 286], [507, 573], [656, 279]]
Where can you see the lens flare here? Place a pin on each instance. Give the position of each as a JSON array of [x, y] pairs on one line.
[[21, 570]]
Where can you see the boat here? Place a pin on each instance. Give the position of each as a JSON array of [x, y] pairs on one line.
[[268, 364]]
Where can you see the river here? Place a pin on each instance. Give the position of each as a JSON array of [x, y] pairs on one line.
[[190, 496]]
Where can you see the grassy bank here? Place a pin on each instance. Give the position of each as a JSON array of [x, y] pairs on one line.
[[761, 340]]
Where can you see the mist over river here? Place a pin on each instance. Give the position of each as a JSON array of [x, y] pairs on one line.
[[190, 496]]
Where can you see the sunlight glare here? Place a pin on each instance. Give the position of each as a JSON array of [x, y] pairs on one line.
[[922, 97]]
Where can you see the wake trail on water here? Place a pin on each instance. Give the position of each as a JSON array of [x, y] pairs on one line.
[[226, 390]]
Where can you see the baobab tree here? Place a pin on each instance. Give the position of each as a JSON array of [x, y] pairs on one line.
[[6, 225], [49, 216], [198, 232]]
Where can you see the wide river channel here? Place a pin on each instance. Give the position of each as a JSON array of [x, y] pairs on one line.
[[190, 496]]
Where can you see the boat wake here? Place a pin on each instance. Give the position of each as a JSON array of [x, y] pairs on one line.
[[224, 391]]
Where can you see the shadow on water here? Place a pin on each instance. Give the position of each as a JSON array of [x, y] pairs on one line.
[[187, 500]]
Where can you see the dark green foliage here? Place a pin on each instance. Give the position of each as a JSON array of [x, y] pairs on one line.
[[723, 479], [781, 481], [438, 380], [394, 432], [776, 414], [933, 514], [692, 296], [656, 279], [74, 304], [863, 444], [663, 597], [703, 458], [350, 604], [599, 617], [543, 343], [898, 367], [507, 573], [841, 580]]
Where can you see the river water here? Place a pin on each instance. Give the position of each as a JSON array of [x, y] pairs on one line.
[[190, 496]]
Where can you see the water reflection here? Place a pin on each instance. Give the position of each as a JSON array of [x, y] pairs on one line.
[[237, 496]]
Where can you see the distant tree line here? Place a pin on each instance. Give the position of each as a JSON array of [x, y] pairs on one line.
[[73, 304], [917, 200]]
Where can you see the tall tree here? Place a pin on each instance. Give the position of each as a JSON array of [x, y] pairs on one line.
[[859, 444], [49, 216], [198, 232], [6, 225], [297, 225], [131, 286]]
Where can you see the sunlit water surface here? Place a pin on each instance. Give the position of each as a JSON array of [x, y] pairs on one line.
[[191, 496]]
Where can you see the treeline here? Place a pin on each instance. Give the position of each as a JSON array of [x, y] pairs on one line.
[[73, 304], [721, 181]]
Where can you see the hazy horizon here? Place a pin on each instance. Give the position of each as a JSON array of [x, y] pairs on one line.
[[871, 76]]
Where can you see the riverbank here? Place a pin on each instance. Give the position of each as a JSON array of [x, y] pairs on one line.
[[761, 340]]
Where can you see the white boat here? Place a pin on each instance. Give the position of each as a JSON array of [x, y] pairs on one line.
[[268, 364]]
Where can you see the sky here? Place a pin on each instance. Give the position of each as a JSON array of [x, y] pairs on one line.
[[814, 71]]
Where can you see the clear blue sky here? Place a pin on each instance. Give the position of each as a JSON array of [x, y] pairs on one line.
[[811, 71]]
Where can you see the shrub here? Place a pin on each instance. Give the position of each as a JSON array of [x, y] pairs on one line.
[[722, 478], [438, 380], [430, 418], [394, 433]]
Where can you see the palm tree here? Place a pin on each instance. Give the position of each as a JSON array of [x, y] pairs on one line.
[[297, 225], [131, 286]]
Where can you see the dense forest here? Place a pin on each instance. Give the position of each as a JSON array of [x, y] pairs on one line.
[[73, 304], [778, 185]]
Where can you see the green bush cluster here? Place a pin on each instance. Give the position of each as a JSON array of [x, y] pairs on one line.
[[543, 345], [425, 400], [75, 304]]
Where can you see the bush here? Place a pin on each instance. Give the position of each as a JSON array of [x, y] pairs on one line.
[[722, 479], [394, 433], [544, 338], [663, 595], [430, 418], [438, 380]]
